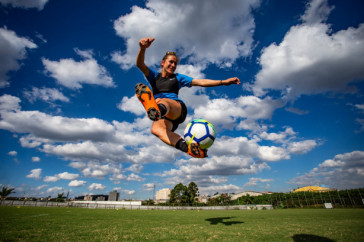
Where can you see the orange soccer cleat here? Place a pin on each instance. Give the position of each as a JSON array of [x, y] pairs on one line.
[[145, 96], [194, 150]]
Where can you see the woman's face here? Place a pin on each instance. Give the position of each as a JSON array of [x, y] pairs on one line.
[[169, 65]]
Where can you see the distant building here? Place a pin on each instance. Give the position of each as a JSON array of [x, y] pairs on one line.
[[114, 196], [101, 198], [163, 195], [203, 198], [241, 194], [312, 189], [87, 198]]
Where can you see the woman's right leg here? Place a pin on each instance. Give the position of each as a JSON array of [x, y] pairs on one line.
[[162, 128]]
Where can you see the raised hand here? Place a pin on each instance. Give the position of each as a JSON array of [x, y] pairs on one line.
[[146, 42]]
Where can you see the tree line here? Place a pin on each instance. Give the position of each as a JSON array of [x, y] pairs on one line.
[[182, 195]]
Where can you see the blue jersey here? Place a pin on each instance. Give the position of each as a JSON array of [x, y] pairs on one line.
[[167, 87]]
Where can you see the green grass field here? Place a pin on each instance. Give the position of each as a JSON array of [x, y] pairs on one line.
[[81, 224]]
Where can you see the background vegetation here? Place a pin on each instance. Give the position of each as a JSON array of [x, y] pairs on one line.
[[182, 195]]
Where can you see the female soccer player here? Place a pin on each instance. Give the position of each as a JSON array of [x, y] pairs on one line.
[[163, 105]]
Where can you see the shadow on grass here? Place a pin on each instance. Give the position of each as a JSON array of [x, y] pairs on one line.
[[215, 221], [310, 238]]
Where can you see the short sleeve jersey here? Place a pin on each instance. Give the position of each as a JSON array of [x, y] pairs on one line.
[[168, 87]]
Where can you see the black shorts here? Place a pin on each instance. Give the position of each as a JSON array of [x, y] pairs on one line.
[[181, 118]]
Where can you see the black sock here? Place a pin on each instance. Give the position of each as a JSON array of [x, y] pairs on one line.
[[182, 145], [162, 108]]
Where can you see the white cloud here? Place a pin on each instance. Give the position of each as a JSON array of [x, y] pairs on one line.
[[35, 173], [331, 163], [252, 125], [272, 153], [132, 105], [135, 177], [9, 103], [302, 147], [96, 186], [41, 187], [212, 170], [194, 97], [296, 110], [95, 173], [148, 187], [317, 11], [254, 181], [230, 188], [39, 4], [76, 183], [280, 137], [343, 171], [226, 112], [35, 159], [137, 168], [128, 192], [64, 176], [68, 176], [55, 190], [193, 32], [116, 178], [45, 126], [312, 59], [51, 179], [13, 49], [360, 107], [194, 71], [45, 94], [248, 148], [360, 121], [73, 74], [13, 153], [77, 165], [76, 151], [30, 141], [100, 171]]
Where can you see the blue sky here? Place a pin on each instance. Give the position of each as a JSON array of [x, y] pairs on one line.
[[69, 121]]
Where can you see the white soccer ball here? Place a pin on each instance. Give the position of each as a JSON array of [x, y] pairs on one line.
[[201, 132]]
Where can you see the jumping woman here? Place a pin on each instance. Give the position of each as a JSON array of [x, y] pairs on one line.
[[162, 103]]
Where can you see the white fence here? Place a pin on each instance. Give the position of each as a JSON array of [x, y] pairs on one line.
[[128, 205]]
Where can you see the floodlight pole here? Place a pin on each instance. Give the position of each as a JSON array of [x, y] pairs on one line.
[[153, 191], [352, 204], [360, 196]]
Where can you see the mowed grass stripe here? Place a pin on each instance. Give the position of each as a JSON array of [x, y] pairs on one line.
[[69, 224]]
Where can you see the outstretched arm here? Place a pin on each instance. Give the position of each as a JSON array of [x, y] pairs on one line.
[[215, 83], [144, 44]]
